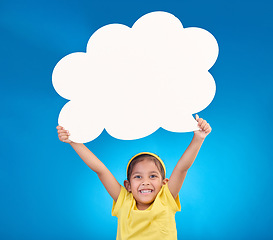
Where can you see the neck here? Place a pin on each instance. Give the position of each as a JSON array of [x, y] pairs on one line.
[[142, 206]]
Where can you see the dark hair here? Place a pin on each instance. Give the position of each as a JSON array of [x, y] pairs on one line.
[[141, 158]]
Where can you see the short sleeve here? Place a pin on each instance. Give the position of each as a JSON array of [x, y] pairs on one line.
[[173, 203], [119, 202]]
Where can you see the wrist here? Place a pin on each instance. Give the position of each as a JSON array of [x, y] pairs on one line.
[[197, 137]]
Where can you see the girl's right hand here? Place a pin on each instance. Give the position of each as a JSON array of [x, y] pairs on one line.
[[63, 134]]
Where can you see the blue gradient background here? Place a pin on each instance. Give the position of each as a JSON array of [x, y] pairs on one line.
[[47, 192]]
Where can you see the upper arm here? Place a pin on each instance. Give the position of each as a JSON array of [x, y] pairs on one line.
[[176, 181], [180, 171], [110, 183]]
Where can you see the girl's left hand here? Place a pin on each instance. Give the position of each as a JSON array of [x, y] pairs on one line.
[[205, 128]]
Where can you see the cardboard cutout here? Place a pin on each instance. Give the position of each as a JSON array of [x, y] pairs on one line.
[[132, 81]]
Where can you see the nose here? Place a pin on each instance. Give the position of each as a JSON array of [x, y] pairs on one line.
[[145, 182]]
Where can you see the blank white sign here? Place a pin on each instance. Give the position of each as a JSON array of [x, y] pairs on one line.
[[132, 81]]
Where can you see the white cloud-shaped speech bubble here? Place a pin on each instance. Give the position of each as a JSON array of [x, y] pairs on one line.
[[132, 81]]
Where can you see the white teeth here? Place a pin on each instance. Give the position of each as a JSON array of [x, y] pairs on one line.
[[146, 191]]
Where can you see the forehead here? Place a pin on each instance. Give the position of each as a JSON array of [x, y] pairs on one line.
[[145, 165]]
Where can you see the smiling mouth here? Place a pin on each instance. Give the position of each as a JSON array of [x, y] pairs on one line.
[[145, 191]]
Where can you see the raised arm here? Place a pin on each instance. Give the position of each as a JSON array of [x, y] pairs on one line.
[[106, 177], [180, 171]]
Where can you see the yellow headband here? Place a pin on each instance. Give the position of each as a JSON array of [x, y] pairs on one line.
[[152, 154]]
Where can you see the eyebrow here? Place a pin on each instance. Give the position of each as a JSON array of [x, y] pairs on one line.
[[149, 172]]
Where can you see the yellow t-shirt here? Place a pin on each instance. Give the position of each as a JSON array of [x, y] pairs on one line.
[[155, 223]]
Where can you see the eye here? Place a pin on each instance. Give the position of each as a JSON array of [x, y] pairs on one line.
[[153, 176], [137, 176]]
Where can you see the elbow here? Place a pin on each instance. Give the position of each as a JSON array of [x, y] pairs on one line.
[[184, 171]]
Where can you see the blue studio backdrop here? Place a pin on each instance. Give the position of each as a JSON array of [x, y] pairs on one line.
[[47, 192]]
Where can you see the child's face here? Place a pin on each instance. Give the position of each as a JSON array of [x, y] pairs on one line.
[[145, 183]]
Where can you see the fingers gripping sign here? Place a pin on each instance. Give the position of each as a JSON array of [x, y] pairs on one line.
[[63, 134], [204, 127]]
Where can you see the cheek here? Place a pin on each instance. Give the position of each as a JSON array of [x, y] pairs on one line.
[[134, 187], [158, 185]]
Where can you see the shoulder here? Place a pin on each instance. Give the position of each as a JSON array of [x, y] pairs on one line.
[[166, 198], [123, 198]]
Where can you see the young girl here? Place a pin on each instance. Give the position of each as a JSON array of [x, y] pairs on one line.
[[147, 205]]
